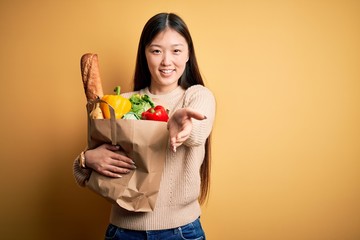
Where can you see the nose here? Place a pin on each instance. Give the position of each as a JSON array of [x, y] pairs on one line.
[[166, 60]]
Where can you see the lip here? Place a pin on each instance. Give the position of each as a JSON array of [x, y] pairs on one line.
[[167, 71]]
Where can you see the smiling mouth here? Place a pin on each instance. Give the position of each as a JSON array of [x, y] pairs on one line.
[[167, 71]]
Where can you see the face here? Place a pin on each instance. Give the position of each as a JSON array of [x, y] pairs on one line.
[[166, 57]]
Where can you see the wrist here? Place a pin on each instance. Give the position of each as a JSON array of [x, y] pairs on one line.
[[82, 160]]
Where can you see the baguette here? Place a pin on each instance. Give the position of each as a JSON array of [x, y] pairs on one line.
[[92, 82], [91, 76]]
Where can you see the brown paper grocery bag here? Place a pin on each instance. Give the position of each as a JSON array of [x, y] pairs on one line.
[[143, 141]]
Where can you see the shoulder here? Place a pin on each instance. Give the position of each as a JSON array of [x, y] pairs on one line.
[[198, 93], [197, 87]]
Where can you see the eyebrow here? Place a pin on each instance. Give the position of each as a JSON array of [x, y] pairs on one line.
[[173, 45]]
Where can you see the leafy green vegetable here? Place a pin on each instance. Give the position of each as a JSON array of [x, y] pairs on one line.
[[131, 115], [139, 104]]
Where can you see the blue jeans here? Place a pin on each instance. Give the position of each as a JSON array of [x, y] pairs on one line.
[[191, 231]]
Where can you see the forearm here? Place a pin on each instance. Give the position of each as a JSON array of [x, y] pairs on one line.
[[201, 100]]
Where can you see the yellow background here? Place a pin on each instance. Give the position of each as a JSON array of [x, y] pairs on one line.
[[286, 142]]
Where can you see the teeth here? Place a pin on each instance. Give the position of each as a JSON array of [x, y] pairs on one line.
[[166, 71]]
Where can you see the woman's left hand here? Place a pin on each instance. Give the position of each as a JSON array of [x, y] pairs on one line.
[[180, 126]]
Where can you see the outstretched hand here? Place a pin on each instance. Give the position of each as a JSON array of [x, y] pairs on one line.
[[180, 126]]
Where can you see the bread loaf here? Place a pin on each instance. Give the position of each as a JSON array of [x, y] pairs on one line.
[[91, 76]]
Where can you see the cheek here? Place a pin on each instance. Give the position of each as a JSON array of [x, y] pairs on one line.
[[149, 60], [183, 62], [151, 66], [152, 62], [185, 59]]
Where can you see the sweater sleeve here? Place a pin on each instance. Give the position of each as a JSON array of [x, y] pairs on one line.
[[200, 99], [81, 175]]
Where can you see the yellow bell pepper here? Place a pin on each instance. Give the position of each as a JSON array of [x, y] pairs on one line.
[[120, 104]]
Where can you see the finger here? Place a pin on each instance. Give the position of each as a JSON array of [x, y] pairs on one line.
[[196, 115], [177, 143], [112, 147], [181, 136], [173, 140], [111, 174], [184, 134], [117, 170], [173, 148], [122, 164], [174, 144], [122, 157]]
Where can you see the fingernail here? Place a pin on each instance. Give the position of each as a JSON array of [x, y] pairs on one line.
[[119, 176], [205, 117]]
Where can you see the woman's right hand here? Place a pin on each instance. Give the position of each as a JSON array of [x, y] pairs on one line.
[[108, 161]]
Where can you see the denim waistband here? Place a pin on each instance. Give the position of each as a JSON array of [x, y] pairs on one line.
[[191, 230], [156, 232]]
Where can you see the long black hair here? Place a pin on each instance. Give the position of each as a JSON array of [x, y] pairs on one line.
[[190, 77]]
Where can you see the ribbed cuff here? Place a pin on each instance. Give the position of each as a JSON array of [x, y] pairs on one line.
[[81, 175]]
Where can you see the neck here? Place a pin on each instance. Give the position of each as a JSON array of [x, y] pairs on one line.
[[161, 90]]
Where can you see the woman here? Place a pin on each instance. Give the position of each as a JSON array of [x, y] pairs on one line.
[[166, 70]]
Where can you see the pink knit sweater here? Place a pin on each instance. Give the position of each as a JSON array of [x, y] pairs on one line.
[[177, 203]]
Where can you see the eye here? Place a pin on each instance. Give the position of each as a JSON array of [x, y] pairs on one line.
[[177, 51], [155, 51]]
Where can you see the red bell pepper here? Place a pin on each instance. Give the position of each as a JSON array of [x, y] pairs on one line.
[[157, 113]]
